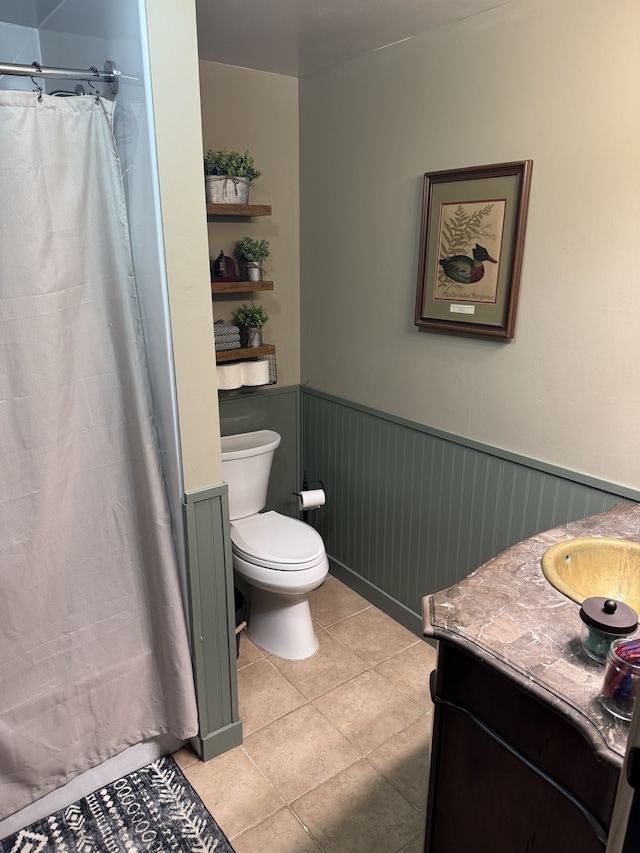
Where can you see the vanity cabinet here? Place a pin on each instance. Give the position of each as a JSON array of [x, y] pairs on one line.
[[220, 212], [509, 772]]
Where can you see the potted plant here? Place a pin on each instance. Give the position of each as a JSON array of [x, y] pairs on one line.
[[251, 319], [253, 253], [228, 176]]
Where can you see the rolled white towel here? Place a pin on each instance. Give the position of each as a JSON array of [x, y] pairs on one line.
[[220, 327]]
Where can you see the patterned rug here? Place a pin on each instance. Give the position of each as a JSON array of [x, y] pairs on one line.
[[152, 810]]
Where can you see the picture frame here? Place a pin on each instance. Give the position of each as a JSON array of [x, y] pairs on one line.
[[471, 249]]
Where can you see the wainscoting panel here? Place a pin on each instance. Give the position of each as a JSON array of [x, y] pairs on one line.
[[212, 615], [411, 510]]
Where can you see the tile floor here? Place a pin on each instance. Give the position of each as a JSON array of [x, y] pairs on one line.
[[335, 755]]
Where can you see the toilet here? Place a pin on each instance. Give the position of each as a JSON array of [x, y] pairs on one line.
[[283, 559]]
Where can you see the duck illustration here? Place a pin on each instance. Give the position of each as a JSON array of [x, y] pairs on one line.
[[466, 270]]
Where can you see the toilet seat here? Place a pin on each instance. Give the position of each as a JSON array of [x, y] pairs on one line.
[[276, 541]]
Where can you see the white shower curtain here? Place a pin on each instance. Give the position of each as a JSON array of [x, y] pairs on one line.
[[94, 652]]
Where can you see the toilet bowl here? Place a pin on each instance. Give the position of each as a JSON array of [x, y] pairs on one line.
[[282, 558]]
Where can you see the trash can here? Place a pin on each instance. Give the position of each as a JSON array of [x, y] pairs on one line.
[[241, 617]]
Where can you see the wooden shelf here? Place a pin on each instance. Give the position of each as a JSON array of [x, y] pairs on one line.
[[238, 210], [240, 286], [244, 353]]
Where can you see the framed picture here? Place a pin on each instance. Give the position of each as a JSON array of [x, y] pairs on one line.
[[471, 247]]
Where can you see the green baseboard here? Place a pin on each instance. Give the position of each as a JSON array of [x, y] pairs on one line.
[[218, 742], [376, 596]]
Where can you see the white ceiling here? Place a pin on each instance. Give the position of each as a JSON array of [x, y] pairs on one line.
[[300, 37], [290, 37]]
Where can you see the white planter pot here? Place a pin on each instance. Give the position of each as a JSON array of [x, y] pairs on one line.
[[221, 189]]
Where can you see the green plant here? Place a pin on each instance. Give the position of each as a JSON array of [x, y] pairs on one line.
[[251, 316], [231, 163], [253, 251]]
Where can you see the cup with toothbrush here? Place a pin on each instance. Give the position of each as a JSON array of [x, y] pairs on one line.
[[621, 678]]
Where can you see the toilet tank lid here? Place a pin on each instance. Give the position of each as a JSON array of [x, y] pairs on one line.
[[246, 444]]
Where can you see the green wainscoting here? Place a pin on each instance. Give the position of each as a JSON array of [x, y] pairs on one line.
[[212, 614], [277, 409], [411, 510]]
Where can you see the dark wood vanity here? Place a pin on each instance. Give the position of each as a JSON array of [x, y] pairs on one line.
[[524, 757], [508, 772]]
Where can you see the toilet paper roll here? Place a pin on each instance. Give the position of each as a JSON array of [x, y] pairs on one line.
[[255, 372], [312, 499], [229, 376]]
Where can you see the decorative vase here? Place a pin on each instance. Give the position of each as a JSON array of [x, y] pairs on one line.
[[253, 337], [254, 271], [222, 189]]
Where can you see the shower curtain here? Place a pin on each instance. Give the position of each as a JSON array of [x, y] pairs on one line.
[[94, 653]]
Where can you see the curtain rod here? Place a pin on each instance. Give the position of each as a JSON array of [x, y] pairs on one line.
[[110, 74]]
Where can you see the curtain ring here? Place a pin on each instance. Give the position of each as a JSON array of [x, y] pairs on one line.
[[90, 84], [37, 89]]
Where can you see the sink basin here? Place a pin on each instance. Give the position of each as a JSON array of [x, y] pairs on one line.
[[582, 568]]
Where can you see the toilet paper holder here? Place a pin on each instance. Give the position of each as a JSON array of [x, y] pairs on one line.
[[309, 486]]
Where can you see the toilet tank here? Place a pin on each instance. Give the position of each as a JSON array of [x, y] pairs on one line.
[[246, 465]]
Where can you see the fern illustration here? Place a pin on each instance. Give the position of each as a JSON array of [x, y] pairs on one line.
[[459, 231], [462, 229]]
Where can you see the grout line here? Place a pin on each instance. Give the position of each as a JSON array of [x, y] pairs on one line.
[[315, 840], [273, 787], [427, 710], [409, 846], [423, 814], [344, 618], [368, 667]]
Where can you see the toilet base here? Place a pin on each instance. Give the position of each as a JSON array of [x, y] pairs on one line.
[[281, 624]]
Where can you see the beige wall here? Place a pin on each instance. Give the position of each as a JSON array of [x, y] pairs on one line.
[[549, 81], [553, 81], [172, 38], [251, 110]]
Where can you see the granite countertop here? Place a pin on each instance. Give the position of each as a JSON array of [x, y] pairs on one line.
[[507, 613]]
